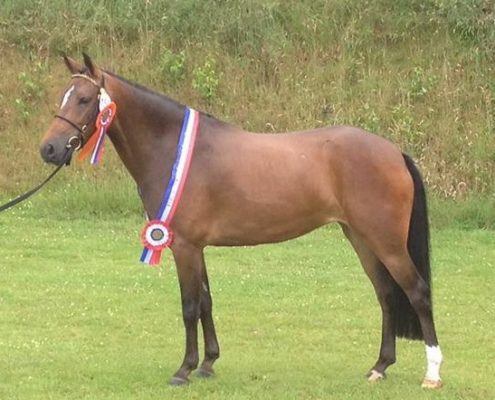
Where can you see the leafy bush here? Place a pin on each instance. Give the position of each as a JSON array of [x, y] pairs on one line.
[[206, 79], [172, 66]]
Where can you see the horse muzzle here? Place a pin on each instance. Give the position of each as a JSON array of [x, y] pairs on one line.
[[55, 151]]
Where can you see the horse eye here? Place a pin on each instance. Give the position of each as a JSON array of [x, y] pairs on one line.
[[84, 100]]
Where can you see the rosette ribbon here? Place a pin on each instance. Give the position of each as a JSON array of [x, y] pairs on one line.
[[95, 144], [157, 234]]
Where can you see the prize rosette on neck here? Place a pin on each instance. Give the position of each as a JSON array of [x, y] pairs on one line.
[[155, 236], [95, 144]]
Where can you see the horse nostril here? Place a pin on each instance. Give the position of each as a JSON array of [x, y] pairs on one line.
[[50, 149], [48, 152]]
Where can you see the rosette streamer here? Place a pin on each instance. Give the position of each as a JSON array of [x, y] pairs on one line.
[[95, 144]]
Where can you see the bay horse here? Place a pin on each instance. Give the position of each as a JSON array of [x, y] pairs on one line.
[[249, 188]]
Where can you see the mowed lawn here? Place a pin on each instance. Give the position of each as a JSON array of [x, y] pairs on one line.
[[81, 318]]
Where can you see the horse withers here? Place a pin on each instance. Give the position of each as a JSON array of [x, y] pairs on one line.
[[248, 188]]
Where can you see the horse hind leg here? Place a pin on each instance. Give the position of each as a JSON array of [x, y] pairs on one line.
[[405, 299], [384, 287], [407, 262], [418, 292], [398, 235]]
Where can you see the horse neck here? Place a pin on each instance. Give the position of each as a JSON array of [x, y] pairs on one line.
[[145, 131]]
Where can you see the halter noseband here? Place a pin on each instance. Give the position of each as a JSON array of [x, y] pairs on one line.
[[78, 140]]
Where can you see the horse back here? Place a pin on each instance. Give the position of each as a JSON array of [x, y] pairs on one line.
[[260, 188]]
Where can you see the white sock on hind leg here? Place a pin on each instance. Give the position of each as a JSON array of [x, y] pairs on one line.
[[434, 358]]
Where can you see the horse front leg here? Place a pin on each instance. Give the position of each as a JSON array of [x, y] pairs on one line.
[[212, 350], [189, 263]]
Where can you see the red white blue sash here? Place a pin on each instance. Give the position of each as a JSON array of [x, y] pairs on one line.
[[157, 234]]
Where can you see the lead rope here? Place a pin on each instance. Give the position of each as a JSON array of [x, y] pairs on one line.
[[69, 150], [73, 144]]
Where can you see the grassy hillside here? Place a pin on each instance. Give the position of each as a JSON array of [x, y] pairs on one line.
[[419, 72]]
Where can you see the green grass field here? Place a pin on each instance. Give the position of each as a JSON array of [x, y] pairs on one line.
[[81, 318]]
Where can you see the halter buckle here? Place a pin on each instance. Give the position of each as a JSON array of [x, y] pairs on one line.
[[74, 139]]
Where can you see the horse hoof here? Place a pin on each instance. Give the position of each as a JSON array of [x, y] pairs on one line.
[[176, 381], [375, 376], [204, 373], [431, 384]]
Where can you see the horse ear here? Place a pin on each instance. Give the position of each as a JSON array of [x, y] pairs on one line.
[[71, 64], [89, 64]]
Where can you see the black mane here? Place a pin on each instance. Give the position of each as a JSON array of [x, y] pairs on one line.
[[144, 88], [155, 93]]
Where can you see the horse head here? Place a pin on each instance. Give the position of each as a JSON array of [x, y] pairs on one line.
[[75, 121]]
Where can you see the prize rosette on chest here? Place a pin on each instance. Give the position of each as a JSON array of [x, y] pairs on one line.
[[157, 234]]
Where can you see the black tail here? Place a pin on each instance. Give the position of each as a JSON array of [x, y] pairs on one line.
[[418, 243]]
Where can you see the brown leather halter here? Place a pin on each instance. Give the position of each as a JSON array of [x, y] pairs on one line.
[[81, 129]]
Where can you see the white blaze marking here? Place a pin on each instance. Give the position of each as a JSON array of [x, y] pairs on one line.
[[434, 358], [66, 96]]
